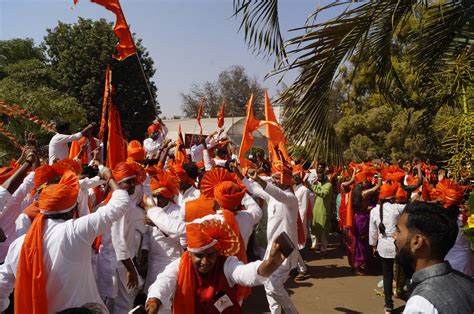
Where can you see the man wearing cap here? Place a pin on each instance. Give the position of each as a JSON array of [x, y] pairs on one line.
[[156, 135], [165, 237], [203, 280], [187, 174], [50, 267]]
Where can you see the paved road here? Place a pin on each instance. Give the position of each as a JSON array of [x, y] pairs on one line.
[[332, 289]]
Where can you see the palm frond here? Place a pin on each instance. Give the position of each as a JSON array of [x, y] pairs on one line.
[[447, 30], [366, 30], [261, 27]]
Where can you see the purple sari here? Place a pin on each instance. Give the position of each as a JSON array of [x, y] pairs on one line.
[[361, 233]]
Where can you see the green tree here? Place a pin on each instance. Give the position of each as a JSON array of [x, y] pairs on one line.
[[26, 81], [233, 87], [365, 30], [80, 53]]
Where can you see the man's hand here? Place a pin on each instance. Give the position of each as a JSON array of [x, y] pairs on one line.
[[152, 306], [148, 202], [148, 221], [274, 260], [30, 140], [132, 279], [105, 174]]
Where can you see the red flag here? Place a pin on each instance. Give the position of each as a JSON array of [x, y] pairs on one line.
[[126, 45], [201, 105], [220, 117], [276, 138]]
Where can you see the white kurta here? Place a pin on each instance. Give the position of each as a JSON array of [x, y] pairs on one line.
[[460, 255], [11, 212], [152, 146], [163, 241], [302, 193], [58, 148], [164, 287], [67, 257], [189, 195], [248, 217]]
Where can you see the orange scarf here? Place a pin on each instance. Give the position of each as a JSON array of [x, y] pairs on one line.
[[195, 294], [30, 288]]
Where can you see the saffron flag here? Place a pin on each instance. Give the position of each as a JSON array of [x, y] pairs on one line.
[[126, 45], [220, 117], [180, 156], [251, 125], [276, 138], [201, 105], [111, 127]]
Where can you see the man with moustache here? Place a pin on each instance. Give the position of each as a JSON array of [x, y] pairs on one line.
[[424, 234]]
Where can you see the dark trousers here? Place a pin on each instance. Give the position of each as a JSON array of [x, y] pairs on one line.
[[387, 269]]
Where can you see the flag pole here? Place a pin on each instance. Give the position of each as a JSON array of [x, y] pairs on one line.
[[145, 77]]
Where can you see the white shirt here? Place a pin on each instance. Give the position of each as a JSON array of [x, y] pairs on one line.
[[419, 305], [385, 244], [302, 193], [189, 195], [248, 217], [5, 198], [164, 241], [67, 257], [282, 214], [164, 287], [152, 146], [58, 148], [11, 212], [460, 255]]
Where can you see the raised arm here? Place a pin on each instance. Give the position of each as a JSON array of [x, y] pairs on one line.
[[374, 189]]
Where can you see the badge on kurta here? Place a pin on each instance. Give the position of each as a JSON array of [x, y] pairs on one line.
[[222, 303]]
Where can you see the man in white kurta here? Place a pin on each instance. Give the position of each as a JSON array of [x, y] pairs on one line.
[[58, 145], [282, 217], [13, 208], [67, 257]]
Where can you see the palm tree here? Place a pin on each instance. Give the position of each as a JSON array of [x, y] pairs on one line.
[[365, 30]]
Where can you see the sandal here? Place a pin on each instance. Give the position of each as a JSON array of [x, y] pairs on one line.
[[302, 276]]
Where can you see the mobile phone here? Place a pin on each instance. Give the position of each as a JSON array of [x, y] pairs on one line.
[[286, 246]]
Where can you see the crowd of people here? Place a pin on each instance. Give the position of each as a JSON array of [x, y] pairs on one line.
[[177, 230]]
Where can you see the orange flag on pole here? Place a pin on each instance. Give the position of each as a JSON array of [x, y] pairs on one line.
[[276, 138], [111, 127], [201, 105], [126, 45], [251, 125], [220, 117], [180, 156]]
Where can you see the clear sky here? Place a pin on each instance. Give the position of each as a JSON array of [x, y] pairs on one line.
[[191, 41]]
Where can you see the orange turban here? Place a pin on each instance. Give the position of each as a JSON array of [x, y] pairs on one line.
[[60, 198], [224, 187], [229, 195], [153, 128], [124, 171], [30, 289], [401, 196], [44, 174], [135, 151], [282, 172], [67, 164], [388, 190], [360, 177], [450, 192], [182, 175], [165, 184], [211, 231], [198, 208]]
